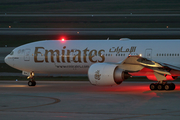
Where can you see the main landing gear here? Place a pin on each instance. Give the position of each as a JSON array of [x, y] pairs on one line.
[[31, 82], [162, 86]]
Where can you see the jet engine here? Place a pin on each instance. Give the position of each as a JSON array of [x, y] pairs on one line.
[[105, 74]]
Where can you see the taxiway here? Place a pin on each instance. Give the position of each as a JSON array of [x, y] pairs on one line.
[[80, 100]]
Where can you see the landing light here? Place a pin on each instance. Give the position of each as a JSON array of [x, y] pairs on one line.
[[140, 55]]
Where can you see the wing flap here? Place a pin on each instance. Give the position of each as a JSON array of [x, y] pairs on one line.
[[159, 77], [161, 71], [136, 63]]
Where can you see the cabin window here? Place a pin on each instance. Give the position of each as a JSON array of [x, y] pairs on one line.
[[167, 54]]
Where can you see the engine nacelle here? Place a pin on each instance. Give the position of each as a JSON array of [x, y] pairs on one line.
[[105, 74]]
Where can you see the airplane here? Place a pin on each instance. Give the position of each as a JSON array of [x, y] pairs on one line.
[[106, 62]]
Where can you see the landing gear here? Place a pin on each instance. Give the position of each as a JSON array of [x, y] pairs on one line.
[[31, 82], [162, 86], [170, 86], [153, 86]]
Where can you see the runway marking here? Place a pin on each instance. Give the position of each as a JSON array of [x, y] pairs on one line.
[[56, 100]]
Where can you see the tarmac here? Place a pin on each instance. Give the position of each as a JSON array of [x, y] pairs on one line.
[[79, 100]]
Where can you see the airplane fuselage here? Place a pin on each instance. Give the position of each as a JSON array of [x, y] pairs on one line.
[[77, 56]]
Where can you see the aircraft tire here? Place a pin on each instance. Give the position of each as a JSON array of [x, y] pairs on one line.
[[153, 86], [32, 83], [168, 87], [172, 86], [160, 87]]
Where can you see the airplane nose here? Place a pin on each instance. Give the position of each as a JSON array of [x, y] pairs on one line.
[[6, 60]]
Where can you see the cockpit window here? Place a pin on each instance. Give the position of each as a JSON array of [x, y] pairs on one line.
[[12, 53]]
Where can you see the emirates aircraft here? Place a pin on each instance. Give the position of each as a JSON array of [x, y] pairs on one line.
[[107, 62]]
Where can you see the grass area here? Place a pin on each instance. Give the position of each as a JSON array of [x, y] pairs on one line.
[[81, 6]]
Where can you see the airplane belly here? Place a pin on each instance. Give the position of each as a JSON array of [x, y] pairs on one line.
[[62, 68]]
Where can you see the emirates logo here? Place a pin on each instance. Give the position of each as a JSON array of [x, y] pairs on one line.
[[97, 75]]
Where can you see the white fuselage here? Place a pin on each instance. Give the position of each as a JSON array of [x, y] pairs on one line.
[[76, 56]]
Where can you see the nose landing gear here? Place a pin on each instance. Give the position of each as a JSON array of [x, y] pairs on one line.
[[162, 86], [31, 82]]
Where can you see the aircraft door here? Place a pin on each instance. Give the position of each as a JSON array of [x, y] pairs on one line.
[[148, 53], [27, 54]]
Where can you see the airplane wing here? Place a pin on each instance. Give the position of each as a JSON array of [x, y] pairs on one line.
[[136, 63]]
